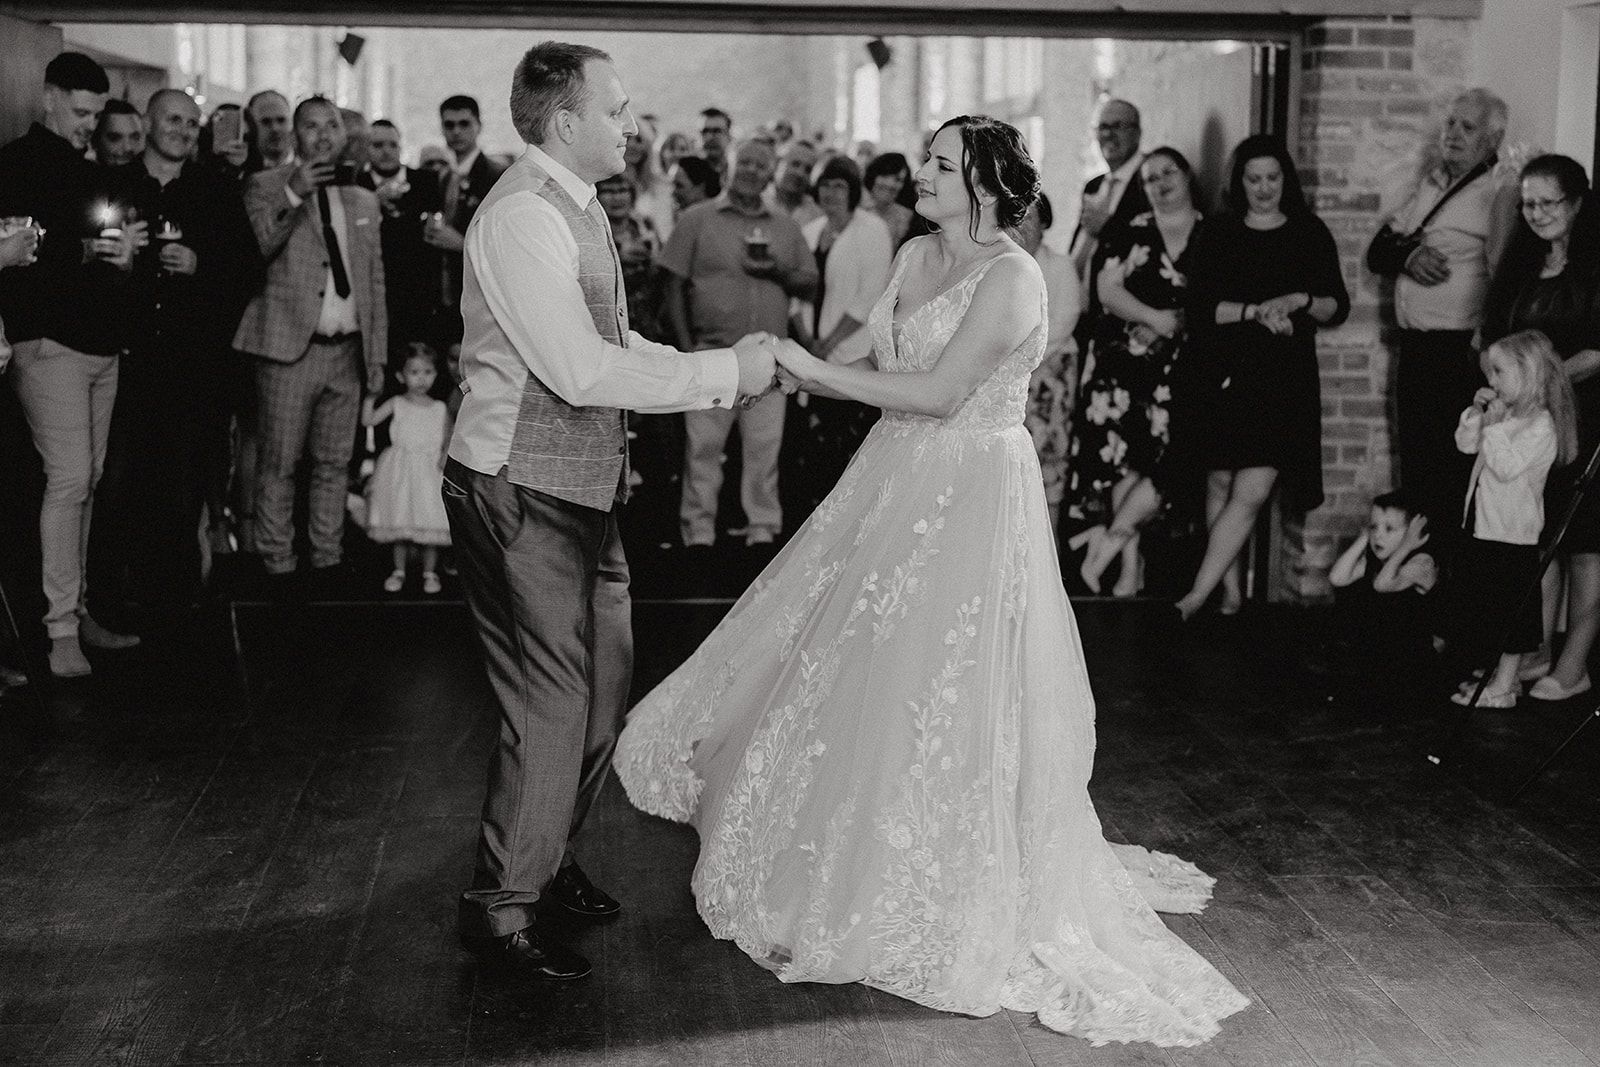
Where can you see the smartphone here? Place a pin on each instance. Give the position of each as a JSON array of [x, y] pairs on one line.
[[344, 174], [226, 130]]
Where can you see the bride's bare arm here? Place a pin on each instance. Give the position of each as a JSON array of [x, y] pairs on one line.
[[1005, 309]]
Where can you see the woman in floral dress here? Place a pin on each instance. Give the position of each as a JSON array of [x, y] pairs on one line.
[[1121, 426]]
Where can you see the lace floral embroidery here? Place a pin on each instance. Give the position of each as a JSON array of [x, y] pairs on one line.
[[903, 587]]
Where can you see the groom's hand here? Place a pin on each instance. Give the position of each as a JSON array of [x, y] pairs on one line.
[[756, 364]]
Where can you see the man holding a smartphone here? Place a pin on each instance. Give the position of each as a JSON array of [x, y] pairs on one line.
[[316, 332]]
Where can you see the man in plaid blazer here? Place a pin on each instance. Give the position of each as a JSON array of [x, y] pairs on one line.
[[317, 330]]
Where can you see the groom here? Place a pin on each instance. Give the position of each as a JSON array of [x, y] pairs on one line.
[[537, 462]]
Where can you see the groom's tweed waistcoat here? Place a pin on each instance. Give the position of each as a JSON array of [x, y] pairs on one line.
[[579, 454]]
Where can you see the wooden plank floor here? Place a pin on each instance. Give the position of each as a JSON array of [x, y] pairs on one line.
[[242, 843]]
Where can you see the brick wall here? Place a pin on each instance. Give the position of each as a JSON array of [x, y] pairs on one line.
[[1372, 92]]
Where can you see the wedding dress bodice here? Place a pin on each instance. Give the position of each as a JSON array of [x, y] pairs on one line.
[[916, 342]]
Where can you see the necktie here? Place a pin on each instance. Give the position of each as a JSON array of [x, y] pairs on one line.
[[452, 196], [341, 280]]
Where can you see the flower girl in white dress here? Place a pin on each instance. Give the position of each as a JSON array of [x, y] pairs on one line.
[[405, 507], [886, 745]]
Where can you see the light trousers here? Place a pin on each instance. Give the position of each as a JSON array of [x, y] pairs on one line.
[[760, 438], [67, 397]]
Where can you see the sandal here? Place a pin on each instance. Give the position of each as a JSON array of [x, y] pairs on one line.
[[430, 583], [395, 582], [1506, 698]]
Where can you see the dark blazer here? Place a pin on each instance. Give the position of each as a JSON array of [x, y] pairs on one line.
[[480, 179], [410, 265], [1133, 202], [279, 322]]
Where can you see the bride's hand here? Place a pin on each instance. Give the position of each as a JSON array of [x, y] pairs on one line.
[[787, 383], [793, 358]]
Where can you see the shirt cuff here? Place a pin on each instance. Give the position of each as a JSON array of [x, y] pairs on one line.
[[719, 377]]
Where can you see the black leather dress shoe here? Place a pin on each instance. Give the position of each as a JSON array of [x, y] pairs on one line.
[[572, 889], [525, 954]]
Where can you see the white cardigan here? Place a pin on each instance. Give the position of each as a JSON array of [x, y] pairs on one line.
[[1507, 487], [856, 275]]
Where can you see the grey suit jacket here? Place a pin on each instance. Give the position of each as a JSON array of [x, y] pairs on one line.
[[281, 318]]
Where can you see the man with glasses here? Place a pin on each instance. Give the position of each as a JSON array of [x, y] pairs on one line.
[[1441, 249], [1116, 196]]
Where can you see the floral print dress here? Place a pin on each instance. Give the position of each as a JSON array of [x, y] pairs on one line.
[[886, 744], [1125, 392]]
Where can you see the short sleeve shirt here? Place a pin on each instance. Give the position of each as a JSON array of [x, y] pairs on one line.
[[1461, 232], [707, 249]]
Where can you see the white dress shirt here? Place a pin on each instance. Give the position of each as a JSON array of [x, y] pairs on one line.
[[525, 313], [1506, 492], [338, 314]]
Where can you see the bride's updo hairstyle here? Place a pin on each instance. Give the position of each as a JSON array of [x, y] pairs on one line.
[[994, 158]]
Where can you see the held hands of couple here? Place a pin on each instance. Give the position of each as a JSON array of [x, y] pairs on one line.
[[767, 362], [757, 367]]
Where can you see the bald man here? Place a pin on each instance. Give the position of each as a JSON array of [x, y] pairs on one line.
[[1109, 199], [732, 265], [188, 290]]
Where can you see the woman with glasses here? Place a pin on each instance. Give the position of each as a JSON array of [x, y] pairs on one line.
[[1121, 426], [1547, 281], [1263, 278]]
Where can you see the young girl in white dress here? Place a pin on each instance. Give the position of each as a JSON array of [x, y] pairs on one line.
[[404, 505], [886, 744]]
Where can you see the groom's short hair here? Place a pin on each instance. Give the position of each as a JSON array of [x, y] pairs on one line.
[[549, 79]]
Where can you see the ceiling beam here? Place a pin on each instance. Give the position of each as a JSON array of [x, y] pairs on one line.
[[1076, 18]]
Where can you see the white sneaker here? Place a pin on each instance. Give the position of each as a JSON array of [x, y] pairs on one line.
[[67, 659]]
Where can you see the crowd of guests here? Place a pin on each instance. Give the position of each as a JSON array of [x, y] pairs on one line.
[[215, 321], [1197, 373]]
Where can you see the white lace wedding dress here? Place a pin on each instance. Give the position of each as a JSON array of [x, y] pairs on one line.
[[886, 744]]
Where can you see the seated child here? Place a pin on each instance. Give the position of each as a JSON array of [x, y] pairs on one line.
[[1381, 583]]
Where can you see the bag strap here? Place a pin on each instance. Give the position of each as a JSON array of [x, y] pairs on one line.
[[1466, 179]]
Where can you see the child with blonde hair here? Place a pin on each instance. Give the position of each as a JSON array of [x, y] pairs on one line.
[[1519, 425], [404, 505]]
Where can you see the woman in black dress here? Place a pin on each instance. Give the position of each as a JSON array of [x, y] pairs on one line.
[[1547, 281], [1263, 277]]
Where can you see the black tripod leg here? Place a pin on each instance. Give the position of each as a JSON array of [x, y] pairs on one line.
[[16, 638], [1545, 763]]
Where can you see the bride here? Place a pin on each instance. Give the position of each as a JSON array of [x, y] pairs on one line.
[[886, 744]]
